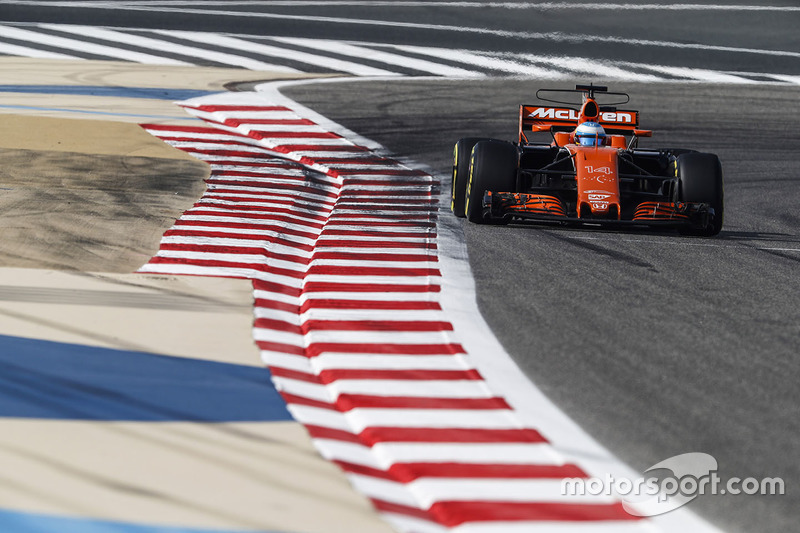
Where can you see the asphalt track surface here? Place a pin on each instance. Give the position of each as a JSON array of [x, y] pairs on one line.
[[656, 344]]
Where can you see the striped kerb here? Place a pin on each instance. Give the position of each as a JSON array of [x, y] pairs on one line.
[[341, 245]]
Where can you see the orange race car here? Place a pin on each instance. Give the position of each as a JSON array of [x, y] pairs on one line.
[[590, 170]]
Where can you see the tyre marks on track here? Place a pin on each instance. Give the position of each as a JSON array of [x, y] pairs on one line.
[[341, 244]]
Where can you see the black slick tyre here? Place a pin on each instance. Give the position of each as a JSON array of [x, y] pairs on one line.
[[700, 181], [493, 167], [462, 152]]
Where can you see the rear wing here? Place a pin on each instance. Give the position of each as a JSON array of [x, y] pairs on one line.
[[544, 118]]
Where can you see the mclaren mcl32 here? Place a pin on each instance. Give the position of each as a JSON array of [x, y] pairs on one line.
[[589, 169]]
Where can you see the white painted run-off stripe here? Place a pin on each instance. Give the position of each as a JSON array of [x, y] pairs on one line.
[[695, 74], [371, 54], [367, 338], [84, 46], [168, 46], [485, 60], [584, 65], [389, 315], [24, 51], [281, 52]]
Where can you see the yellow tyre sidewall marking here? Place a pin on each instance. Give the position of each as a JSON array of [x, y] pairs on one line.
[[455, 177], [469, 183]]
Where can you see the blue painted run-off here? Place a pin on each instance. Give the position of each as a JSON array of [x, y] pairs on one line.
[[43, 379], [121, 92], [15, 522]]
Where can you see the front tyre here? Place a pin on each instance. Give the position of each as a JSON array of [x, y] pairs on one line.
[[700, 181], [493, 167], [462, 152]]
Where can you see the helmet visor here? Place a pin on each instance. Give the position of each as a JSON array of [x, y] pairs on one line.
[[590, 140]]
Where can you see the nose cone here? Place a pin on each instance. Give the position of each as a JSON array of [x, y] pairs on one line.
[[597, 182]]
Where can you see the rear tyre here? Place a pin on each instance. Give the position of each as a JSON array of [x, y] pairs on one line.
[[700, 181], [493, 168], [462, 152]]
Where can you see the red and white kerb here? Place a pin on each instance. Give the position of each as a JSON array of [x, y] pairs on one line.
[[341, 246]]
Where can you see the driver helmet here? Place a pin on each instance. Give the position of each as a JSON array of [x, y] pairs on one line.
[[590, 134]]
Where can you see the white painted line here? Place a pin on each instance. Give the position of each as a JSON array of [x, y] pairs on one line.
[[282, 52], [591, 66], [367, 338], [384, 489], [610, 526], [157, 44], [363, 52], [328, 361], [221, 115], [384, 296], [499, 62], [84, 46], [783, 77], [360, 419], [401, 522], [429, 491], [23, 51], [698, 74], [475, 453], [348, 314], [203, 240]]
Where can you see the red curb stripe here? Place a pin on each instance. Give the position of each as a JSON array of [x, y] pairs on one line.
[[265, 134], [375, 305], [332, 270], [266, 211], [335, 374], [353, 325], [366, 233], [235, 122], [323, 148], [318, 348], [455, 513], [377, 435], [263, 163], [348, 402], [323, 286], [352, 256], [409, 472], [266, 225], [222, 107]]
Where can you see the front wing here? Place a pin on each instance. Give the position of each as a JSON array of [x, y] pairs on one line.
[[547, 208]]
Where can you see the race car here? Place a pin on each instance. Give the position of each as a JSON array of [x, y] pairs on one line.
[[589, 170]]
